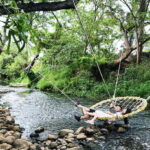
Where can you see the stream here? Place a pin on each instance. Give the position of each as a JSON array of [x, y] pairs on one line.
[[33, 108]]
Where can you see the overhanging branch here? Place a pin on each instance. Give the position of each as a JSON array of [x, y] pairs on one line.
[[33, 7]]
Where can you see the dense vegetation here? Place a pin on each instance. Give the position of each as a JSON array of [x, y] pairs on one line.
[[62, 50]]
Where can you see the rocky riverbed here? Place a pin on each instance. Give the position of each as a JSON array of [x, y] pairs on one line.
[[66, 139]]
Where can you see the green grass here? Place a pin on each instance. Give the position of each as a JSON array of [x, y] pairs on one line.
[[79, 81]]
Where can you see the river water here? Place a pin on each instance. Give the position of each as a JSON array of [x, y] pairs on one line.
[[33, 108]]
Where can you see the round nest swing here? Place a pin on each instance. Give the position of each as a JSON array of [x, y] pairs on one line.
[[136, 104]]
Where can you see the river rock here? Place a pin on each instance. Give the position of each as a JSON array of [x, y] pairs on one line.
[[39, 130], [74, 148], [70, 140], [3, 131], [121, 130], [62, 141], [2, 138], [9, 139], [47, 143], [89, 131], [6, 91], [5, 146], [101, 138], [34, 135], [17, 134], [70, 145], [81, 136], [104, 131], [22, 144], [10, 120], [52, 137], [80, 130], [65, 132], [53, 145], [70, 135], [90, 139], [9, 133], [16, 128], [63, 147]]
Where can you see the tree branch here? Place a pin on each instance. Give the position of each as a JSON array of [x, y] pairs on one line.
[[33, 7]]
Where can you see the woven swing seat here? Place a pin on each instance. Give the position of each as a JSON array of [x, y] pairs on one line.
[[136, 104]]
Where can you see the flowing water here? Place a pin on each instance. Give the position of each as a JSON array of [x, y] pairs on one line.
[[33, 108]]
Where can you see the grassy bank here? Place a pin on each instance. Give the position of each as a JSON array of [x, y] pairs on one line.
[[81, 82], [80, 77]]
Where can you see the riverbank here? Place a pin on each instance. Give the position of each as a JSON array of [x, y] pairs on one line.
[[66, 139], [84, 82]]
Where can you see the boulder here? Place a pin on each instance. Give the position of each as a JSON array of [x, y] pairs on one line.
[[52, 137], [39, 130], [5, 146], [65, 132], [81, 136]]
